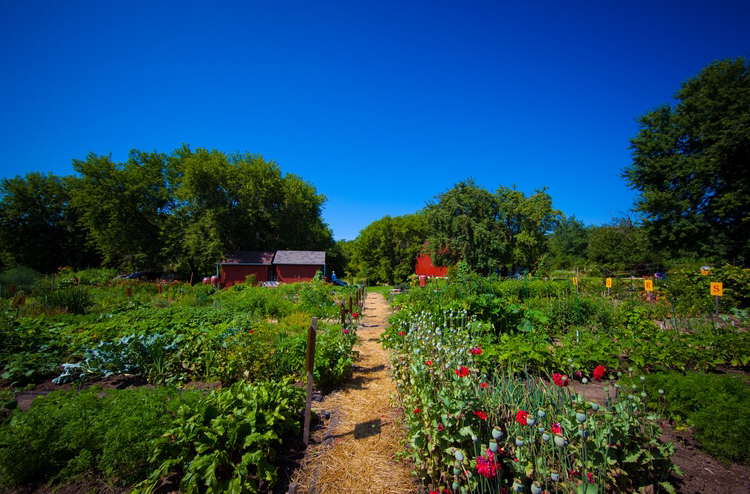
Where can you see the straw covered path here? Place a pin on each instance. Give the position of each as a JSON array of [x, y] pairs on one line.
[[357, 448]]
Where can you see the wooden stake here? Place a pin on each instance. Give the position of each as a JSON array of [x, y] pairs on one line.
[[311, 334]]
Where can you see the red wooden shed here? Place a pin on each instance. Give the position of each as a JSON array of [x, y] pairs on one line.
[[425, 266], [293, 266], [240, 264]]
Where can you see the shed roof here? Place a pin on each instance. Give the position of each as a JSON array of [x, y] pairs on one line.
[[249, 257], [308, 257]]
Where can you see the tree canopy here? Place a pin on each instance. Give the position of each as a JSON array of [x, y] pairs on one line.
[[387, 249], [488, 230], [179, 212], [691, 165]]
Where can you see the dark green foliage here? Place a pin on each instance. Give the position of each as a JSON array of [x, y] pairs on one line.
[[107, 433], [386, 250], [716, 406], [73, 300], [227, 441], [690, 165]]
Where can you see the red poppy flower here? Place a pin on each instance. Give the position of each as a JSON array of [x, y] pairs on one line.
[[560, 380], [441, 427], [599, 372], [462, 371], [555, 428], [476, 351], [429, 363], [481, 414], [483, 385], [487, 466], [521, 417], [355, 315], [417, 410], [401, 333]]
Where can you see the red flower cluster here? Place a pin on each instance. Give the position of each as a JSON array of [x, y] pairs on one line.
[[556, 429], [574, 473], [417, 410], [444, 491], [560, 380], [599, 372], [401, 333], [483, 385], [476, 351], [462, 371], [521, 417], [487, 466], [481, 414], [429, 363], [355, 315]]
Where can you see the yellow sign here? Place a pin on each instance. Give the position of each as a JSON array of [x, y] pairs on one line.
[[649, 284], [705, 271], [575, 280], [717, 289], [609, 282]]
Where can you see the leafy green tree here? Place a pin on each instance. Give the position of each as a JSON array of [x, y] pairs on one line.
[[621, 244], [38, 228], [691, 165], [568, 242], [487, 230], [125, 206], [387, 249]]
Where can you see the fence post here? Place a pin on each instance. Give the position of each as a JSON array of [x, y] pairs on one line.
[[311, 333], [292, 488]]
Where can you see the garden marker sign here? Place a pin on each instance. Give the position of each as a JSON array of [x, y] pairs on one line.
[[717, 289], [648, 285]]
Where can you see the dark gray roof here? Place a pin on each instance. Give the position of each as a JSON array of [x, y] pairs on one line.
[[310, 257], [249, 257]]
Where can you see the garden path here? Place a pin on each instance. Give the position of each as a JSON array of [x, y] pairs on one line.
[[357, 448]]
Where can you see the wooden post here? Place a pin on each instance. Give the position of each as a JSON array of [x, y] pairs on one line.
[[311, 333], [292, 488], [350, 303]]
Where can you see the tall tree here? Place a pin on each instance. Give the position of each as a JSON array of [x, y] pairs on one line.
[[38, 228], [487, 230], [691, 165], [386, 250], [125, 206], [568, 242]]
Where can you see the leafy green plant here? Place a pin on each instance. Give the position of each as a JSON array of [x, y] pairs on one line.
[[717, 407], [226, 442]]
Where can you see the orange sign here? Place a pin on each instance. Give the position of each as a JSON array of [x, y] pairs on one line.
[[649, 284], [609, 282], [717, 289]]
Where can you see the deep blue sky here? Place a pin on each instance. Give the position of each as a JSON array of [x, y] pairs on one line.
[[381, 105]]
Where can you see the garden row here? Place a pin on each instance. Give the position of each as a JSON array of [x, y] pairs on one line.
[[484, 376], [250, 341]]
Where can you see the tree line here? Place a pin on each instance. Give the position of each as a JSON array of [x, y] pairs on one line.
[[184, 211], [179, 212]]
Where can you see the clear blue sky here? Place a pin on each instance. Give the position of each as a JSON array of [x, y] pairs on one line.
[[381, 105]]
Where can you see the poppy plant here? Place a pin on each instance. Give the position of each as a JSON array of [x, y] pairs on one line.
[[556, 428], [462, 371], [483, 385], [560, 380], [521, 417], [429, 363], [481, 414], [599, 372], [486, 466], [476, 351]]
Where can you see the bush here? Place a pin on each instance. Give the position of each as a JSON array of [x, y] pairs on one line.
[[23, 278]]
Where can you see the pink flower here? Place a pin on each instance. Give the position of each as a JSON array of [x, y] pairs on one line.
[[345, 331], [487, 466], [355, 315], [441, 428]]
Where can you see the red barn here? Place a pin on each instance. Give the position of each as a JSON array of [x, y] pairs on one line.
[[240, 264], [293, 266], [424, 266]]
